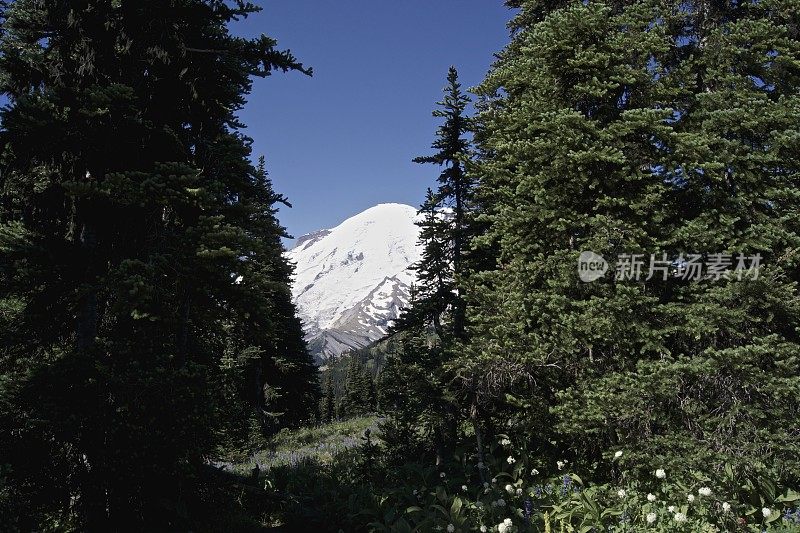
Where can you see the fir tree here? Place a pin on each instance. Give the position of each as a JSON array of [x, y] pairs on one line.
[[445, 240], [142, 275], [328, 402], [641, 128]]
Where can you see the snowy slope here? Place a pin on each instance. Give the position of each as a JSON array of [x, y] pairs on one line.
[[352, 280]]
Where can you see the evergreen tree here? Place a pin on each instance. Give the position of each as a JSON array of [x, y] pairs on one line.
[[142, 275], [446, 213], [642, 128], [328, 402], [359, 397], [438, 301]]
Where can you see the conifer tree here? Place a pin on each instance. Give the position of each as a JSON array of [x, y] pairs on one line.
[[445, 240], [139, 255], [438, 302], [359, 390], [328, 402], [642, 128]]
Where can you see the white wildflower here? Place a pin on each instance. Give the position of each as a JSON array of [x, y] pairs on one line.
[[660, 473], [766, 511], [519, 492], [704, 491], [680, 517], [451, 528], [505, 442], [618, 454], [651, 517], [621, 493], [510, 489], [494, 480], [671, 509], [505, 526], [690, 497], [442, 475], [726, 507], [464, 488], [534, 472], [483, 529], [651, 497], [511, 460], [561, 464]]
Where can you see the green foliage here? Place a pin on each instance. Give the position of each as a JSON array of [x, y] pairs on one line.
[[642, 128], [359, 396], [145, 312]]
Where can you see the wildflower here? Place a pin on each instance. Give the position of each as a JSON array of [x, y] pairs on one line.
[[534, 472], [509, 489], [726, 507], [618, 454], [442, 475], [485, 484], [651, 497], [494, 480], [561, 464], [621, 493], [660, 473], [505, 526], [464, 488], [483, 529], [528, 506], [501, 502], [766, 511], [511, 460], [680, 517], [651, 517], [519, 492], [480, 466], [704, 491], [505, 442], [690, 497], [451, 528], [671, 509]]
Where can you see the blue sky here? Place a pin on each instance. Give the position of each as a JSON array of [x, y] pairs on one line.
[[342, 141]]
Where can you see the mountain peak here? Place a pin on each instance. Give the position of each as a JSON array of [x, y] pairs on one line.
[[352, 280]]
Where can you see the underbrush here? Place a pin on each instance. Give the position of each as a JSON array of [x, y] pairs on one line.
[[338, 480]]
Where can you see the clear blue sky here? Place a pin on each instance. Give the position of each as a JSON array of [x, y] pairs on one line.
[[342, 141]]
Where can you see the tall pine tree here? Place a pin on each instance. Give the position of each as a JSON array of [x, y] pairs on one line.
[[642, 128], [139, 252]]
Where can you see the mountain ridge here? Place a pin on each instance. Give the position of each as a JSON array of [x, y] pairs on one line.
[[352, 281]]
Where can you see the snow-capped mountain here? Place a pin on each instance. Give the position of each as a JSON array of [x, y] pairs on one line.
[[352, 280]]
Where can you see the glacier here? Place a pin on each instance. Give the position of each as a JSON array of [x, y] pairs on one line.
[[351, 281]]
